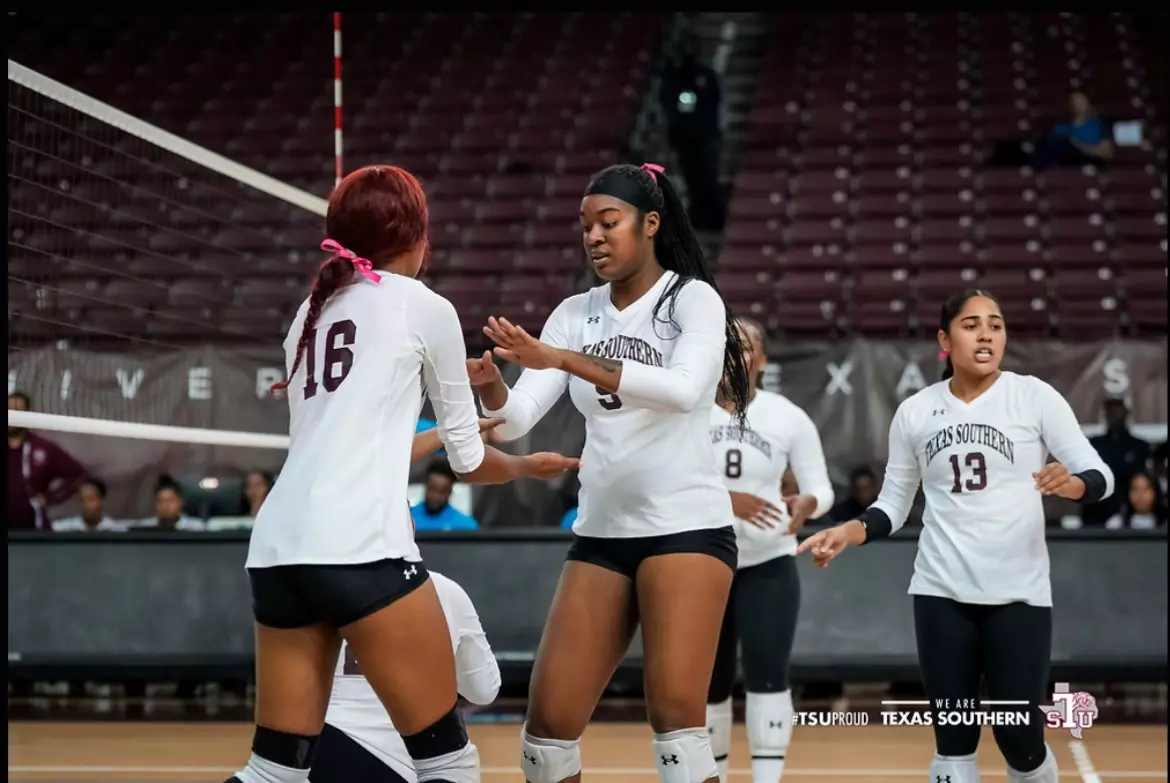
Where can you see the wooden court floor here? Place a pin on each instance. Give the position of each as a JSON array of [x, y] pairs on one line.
[[60, 752]]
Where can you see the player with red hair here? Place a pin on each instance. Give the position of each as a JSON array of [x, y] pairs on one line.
[[332, 554]]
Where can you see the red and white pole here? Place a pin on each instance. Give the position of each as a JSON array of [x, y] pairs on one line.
[[337, 97]]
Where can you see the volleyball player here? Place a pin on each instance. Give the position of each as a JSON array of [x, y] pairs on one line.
[[765, 595], [359, 743], [332, 552], [978, 442], [641, 357]]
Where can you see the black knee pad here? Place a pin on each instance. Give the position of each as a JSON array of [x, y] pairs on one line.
[[955, 740], [233, 779], [446, 735], [294, 751]]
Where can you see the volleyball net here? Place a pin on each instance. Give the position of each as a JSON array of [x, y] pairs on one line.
[[150, 283]]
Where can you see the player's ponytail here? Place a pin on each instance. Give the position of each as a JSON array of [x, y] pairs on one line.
[[334, 274], [648, 189], [950, 311]]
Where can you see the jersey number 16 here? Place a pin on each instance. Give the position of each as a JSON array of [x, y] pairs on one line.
[[338, 357]]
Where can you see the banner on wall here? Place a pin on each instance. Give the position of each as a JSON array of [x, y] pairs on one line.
[[850, 389]]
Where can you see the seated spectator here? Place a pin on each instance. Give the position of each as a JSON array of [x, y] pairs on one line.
[[41, 474], [569, 518], [862, 494], [1123, 452], [1144, 507], [168, 510], [1083, 140], [93, 514], [435, 511], [257, 485]]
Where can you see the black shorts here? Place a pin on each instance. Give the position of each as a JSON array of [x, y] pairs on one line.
[[342, 759], [624, 555], [293, 596]]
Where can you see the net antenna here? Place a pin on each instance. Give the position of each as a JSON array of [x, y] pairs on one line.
[[337, 98]]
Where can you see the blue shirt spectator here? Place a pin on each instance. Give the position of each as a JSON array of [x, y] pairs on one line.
[[569, 518], [435, 511], [1089, 131]]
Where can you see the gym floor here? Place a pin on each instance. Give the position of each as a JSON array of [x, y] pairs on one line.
[[207, 752]]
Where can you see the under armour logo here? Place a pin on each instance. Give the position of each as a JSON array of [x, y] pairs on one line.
[[773, 724], [408, 573], [527, 758], [593, 319], [942, 779], [942, 412], [672, 759]]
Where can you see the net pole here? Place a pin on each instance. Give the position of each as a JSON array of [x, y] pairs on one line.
[[337, 97]]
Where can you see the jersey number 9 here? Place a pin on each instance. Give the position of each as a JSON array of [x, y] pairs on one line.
[[338, 357], [611, 402]]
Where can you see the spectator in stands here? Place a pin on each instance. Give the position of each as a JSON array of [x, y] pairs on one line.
[[1160, 467], [692, 100], [862, 494], [168, 510], [569, 518], [1144, 507], [435, 512], [1123, 452], [257, 485], [41, 474], [93, 518], [1081, 141]]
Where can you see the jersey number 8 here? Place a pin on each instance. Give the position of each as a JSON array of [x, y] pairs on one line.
[[733, 464], [338, 357]]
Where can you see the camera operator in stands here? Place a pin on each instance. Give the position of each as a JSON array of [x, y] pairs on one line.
[[41, 474]]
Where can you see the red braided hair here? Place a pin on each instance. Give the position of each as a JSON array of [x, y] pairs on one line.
[[377, 212]]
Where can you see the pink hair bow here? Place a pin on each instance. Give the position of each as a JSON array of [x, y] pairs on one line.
[[654, 169], [942, 356], [362, 265]]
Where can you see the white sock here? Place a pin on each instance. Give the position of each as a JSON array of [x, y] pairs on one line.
[[769, 730], [719, 729], [261, 770], [954, 769], [1047, 772]]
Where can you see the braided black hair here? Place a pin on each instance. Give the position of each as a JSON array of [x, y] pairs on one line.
[[678, 250]]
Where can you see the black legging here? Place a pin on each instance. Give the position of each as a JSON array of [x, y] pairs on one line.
[[761, 615], [341, 759], [1009, 646]]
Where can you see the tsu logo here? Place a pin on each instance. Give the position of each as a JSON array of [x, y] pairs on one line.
[[1075, 711]]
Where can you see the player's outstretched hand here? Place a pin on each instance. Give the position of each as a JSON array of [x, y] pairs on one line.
[[516, 345], [485, 430], [482, 371], [755, 510], [1054, 479], [800, 508], [826, 544], [546, 465]]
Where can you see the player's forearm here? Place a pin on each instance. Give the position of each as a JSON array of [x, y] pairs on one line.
[[497, 468], [601, 372], [494, 396], [425, 444]]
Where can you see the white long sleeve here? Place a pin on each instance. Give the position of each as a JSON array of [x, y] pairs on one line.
[[903, 474], [807, 462], [1065, 439], [536, 391], [477, 672], [447, 385], [696, 363]]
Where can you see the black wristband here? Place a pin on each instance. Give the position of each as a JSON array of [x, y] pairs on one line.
[[1094, 485], [877, 524]]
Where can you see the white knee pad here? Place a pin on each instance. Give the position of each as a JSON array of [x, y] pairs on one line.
[[548, 760], [769, 724], [462, 766], [954, 769], [719, 728], [684, 756], [1047, 772]]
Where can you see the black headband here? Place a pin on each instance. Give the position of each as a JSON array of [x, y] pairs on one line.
[[626, 189]]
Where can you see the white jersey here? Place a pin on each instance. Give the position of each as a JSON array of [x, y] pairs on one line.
[[647, 466], [353, 404], [355, 709], [778, 435], [982, 540]]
